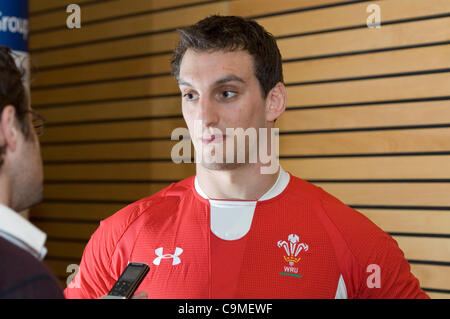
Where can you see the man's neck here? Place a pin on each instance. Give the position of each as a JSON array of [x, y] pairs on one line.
[[5, 191], [242, 183]]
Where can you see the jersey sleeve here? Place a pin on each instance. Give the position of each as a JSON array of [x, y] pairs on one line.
[[106, 254], [387, 274], [378, 268], [93, 279]]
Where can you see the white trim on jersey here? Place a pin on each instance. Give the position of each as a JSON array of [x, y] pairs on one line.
[[341, 291], [231, 220]]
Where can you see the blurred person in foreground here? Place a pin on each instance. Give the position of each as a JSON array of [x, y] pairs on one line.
[[22, 245], [233, 230]]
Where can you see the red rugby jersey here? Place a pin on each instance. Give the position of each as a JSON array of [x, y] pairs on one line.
[[303, 243]]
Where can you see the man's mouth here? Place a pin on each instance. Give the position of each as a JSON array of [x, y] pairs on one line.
[[206, 139]]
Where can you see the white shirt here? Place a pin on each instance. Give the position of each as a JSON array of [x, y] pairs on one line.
[[231, 220], [20, 232]]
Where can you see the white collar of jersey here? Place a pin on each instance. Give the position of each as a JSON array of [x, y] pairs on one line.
[[22, 233], [277, 188], [232, 220]]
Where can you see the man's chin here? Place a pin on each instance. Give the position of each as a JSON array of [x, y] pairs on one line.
[[220, 166]]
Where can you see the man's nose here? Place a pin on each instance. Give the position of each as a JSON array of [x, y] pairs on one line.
[[208, 112]]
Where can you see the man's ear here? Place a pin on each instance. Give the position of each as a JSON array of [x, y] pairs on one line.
[[8, 128], [275, 102]]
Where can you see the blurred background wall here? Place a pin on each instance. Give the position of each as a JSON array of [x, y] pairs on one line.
[[368, 114]]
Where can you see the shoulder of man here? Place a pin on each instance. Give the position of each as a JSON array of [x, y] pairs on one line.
[[109, 248], [167, 197], [24, 276], [363, 249], [341, 220]]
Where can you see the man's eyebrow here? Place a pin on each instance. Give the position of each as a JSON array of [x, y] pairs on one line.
[[183, 82], [228, 78]]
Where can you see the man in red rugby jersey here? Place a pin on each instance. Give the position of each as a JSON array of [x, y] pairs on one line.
[[233, 230]]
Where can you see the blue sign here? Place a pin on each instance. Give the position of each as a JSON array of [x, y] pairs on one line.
[[14, 24]]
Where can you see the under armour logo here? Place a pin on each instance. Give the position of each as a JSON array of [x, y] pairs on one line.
[[176, 259]]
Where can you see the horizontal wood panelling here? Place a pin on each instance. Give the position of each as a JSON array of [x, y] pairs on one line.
[[412, 167], [350, 15], [74, 211], [65, 249], [396, 88], [434, 276], [423, 248], [416, 140], [160, 171], [110, 70], [401, 194], [411, 33], [134, 129], [102, 192], [111, 151], [126, 27], [115, 90], [340, 14], [117, 9], [395, 35], [41, 5], [104, 10], [439, 295], [68, 230], [379, 63], [107, 50], [259, 7], [167, 106], [409, 221], [394, 114]]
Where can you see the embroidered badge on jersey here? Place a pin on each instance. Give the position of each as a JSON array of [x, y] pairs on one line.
[[292, 249]]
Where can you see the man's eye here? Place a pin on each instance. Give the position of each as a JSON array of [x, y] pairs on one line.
[[228, 94], [189, 96]]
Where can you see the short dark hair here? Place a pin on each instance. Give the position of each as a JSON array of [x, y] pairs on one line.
[[12, 92], [230, 33]]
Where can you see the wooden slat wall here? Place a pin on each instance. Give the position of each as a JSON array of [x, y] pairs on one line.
[[368, 112]]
